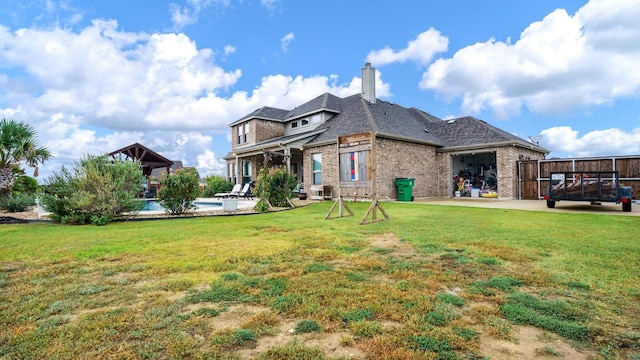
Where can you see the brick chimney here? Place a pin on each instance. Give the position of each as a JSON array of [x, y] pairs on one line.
[[369, 83]]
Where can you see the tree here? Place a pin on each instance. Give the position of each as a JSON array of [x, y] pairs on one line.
[[96, 191], [18, 144], [179, 190]]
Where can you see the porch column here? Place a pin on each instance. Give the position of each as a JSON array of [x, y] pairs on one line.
[[236, 170], [287, 156]]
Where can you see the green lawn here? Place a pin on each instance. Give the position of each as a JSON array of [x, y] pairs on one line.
[[158, 289]]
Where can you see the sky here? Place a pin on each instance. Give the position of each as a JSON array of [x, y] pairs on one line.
[[92, 76]]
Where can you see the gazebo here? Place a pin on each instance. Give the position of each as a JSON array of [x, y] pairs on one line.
[[148, 158]]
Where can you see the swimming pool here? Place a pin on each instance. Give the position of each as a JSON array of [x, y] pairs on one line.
[[154, 205]]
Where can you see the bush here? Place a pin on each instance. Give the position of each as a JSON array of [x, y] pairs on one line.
[[179, 190], [96, 191], [216, 184], [16, 202], [274, 186]]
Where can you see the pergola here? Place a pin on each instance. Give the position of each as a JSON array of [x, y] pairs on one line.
[[148, 158]]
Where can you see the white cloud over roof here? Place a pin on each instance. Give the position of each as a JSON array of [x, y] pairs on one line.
[[558, 64]]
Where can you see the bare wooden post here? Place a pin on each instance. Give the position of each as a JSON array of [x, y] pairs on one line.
[[375, 205]]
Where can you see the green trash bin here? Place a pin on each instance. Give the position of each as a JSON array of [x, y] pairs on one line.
[[405, 188]]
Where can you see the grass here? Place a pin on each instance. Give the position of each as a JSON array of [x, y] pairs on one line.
[[129, 289]]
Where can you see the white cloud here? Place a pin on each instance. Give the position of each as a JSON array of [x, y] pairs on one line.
[[420, 50], [270, 5], [285, 41], [210, 164], [182, 16], [228, 50], [559, 64], [565, 140], [99, 89]]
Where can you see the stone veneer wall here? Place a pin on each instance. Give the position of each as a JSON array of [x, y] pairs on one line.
[[507, 168]]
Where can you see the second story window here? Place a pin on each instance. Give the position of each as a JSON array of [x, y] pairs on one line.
[[294, 124], [243, 133], [305, 122]]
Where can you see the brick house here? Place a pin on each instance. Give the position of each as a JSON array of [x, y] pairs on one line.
[[345, 144]]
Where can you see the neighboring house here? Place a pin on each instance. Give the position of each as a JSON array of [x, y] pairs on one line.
[[380, 141]]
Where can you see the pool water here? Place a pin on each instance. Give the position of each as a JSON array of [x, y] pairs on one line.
[[154, 205]]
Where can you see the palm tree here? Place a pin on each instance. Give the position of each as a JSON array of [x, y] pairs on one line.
[[18, 144]]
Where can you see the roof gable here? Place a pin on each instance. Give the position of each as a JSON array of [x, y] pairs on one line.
[[264, 113], [324, 102]]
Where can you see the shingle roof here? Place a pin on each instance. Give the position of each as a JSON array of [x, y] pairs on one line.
[[325, 102], [356, 115], [265, 113], [469, 131], [383, 117]]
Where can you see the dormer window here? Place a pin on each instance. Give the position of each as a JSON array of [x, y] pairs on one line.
[[294, 124], [304, 122]]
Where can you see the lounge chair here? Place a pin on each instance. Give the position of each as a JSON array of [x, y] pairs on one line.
[[245, 192], [234, 192]]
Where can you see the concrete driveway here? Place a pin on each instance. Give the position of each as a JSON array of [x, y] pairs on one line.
[[580, 207]]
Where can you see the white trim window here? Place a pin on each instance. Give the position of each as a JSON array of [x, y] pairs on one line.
[[317, 168], [246, 132], [240, 129]]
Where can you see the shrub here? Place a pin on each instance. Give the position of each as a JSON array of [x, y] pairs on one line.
[[179, 190], [274, 187], [96, 190], [16, 202], [216, 184]]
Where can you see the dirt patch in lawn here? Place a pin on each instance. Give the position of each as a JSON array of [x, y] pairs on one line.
[[527, 342], [399, 248]]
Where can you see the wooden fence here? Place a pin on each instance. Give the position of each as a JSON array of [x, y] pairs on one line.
[[533, 175]]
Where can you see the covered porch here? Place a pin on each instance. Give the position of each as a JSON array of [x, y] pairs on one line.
[[244, 164]]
